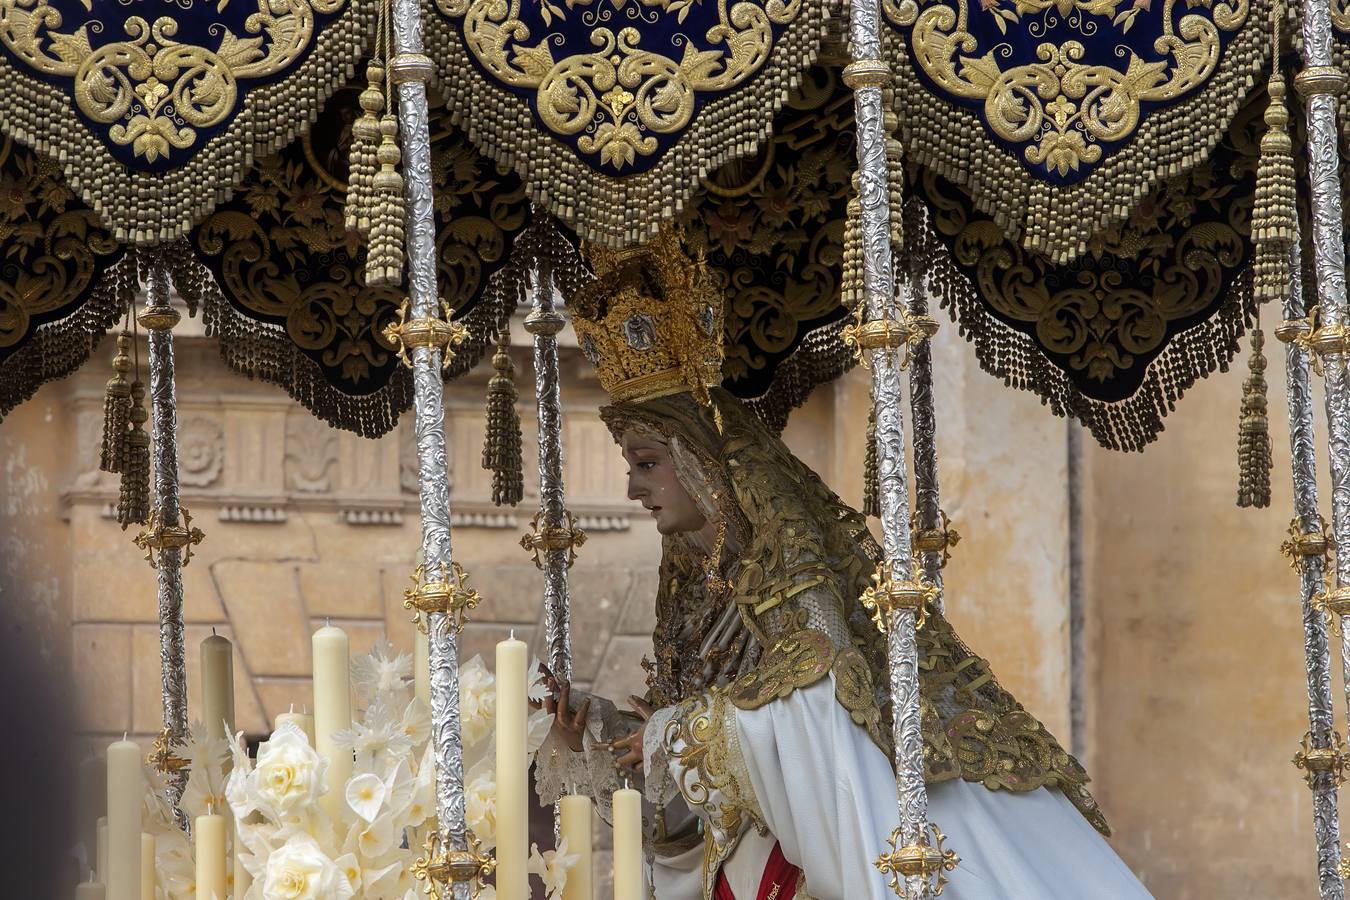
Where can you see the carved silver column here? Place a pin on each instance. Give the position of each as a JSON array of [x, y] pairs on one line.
[[555, 536], [429, 336], [932, 535], [896, 599], [167, 535], [1307, 547]]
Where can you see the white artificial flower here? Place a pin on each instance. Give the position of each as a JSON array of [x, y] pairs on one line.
[[382, 881], [552, 867], [351, 869], [175, 865], [477, 701], [480, 804], [365, 795], [382, 671], [300, 870], [536, 689], [371, 839], [379, 735], [537, 728], [423, 793], [290, 775], [416, 722]]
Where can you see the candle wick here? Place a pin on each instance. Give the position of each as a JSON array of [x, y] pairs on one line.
[[327, 621], [292, 708], [213, 631], [124, 736], [513, 634]]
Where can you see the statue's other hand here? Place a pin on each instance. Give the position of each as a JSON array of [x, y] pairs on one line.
[[568, 724]]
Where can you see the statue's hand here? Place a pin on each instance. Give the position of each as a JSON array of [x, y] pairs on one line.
[[568, 725], [632, 743]]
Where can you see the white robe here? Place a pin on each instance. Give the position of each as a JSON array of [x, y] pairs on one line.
[[827, 795]]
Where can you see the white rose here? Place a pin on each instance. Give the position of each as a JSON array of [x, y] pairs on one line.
[[477, 701], [289, 775], [302, 871]]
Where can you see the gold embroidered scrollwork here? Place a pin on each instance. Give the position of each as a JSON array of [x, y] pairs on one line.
[[796, 661], [1062, 108], [153, 93], [632, 93]]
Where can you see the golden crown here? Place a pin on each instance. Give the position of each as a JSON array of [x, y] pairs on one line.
[[651, 322]]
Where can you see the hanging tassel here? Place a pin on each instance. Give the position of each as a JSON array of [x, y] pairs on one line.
[[133, 502], [1254, 462], [116, 409], [851, 286], [871, 476], [362, 159], [501, 446], [1275, 212], [384, 264]]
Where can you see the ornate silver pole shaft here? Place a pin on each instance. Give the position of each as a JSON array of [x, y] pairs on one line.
[[555, 534], [159, 318], [933, 536], [866, 75], [410, 69], [1307, 546]]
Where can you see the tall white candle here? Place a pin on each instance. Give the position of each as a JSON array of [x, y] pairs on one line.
[[147, 866], [333, 710], [513, 812], [90, 890], [126, 794], [101, 864], [209, 835], [422, 664], [218, 686], [628, 845], [575, 828]]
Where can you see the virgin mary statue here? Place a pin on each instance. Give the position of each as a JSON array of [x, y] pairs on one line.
[[763, 744]]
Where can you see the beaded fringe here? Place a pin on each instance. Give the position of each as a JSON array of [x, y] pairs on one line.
[[1011, 356], [871, 482], [1058, 221], [145, 208], [628, 209], [133, 498], [1254, 461]]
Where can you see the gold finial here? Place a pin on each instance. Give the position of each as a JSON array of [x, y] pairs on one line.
[[651, 322], [442, 868]]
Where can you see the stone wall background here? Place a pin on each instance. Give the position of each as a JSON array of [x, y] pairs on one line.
[[1184, 693]]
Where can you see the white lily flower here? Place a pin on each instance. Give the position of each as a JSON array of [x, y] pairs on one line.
[[350, 867], [300, 870], [416, 722], [365, 795], [371, 839]]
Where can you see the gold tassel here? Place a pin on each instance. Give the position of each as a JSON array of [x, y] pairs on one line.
[[117, 409], [871, 477], [1254, 461], [1275, 212], [502, 444], [851, 286], [133, 502], [384, 264], [362, 158]]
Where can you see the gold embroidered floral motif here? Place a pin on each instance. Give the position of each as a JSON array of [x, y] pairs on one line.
[[153, 93], [796, 661], [1064, 107], [52, 243], [615, 99]]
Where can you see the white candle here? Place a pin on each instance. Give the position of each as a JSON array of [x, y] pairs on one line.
[[209, 835], [90, 890], [101, 864], [218, 686], [422, 663], [575, 828], [147, 866], [303, 721], [333, 710], [126, 793], [513, 812], [628, 845]]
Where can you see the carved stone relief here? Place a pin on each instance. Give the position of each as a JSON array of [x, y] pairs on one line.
[[311, 454], [201, 451]]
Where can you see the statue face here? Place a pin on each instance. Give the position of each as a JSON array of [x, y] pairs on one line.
[[652, 480]]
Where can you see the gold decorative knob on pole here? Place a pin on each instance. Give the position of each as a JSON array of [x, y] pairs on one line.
[[1314, 761], [886, 333], [934, 540], [437, 332], [926, 859], [158, 537], [1303, 544], [886, 595], [542, 538], [442, 869], [430, 594]]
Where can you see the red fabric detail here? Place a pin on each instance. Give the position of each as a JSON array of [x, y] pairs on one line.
[[779, 881]]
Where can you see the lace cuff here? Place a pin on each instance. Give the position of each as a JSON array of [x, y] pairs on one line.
[[559, 770], [660, 787]]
